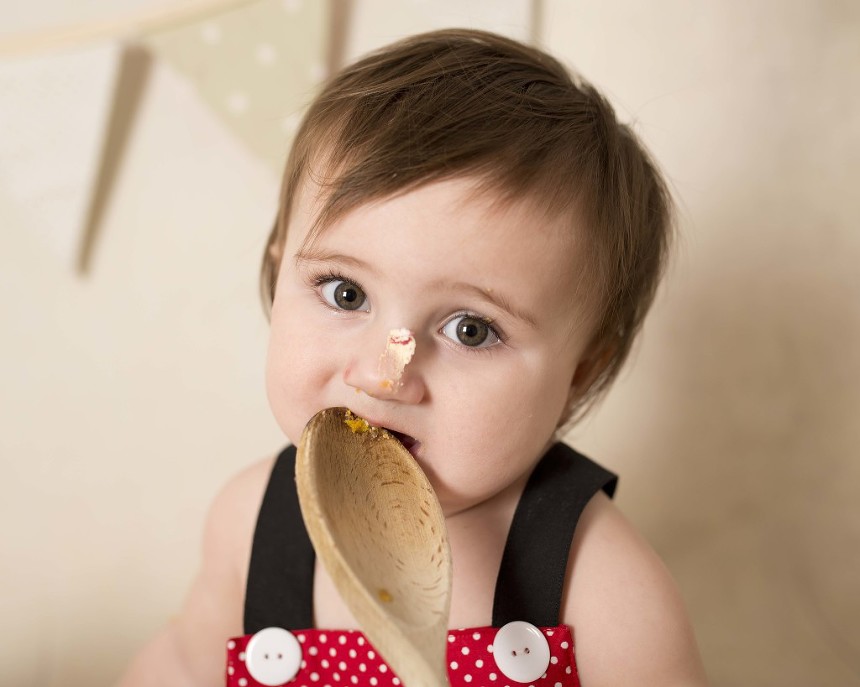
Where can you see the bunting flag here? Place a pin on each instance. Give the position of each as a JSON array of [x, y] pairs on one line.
[[54, 117], [67, 113], [256, 66]]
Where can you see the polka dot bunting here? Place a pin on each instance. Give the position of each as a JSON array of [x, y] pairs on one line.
[[334, 658], [256, 65]]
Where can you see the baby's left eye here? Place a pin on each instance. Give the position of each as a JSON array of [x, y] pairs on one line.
[[471, 331], [344, 295]]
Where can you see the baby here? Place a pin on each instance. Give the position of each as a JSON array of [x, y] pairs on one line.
[[459, 194]]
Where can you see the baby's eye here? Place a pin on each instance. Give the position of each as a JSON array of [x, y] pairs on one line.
[[344, 295], [471, 331]]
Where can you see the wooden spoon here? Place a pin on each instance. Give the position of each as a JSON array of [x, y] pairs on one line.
[[377, 526]]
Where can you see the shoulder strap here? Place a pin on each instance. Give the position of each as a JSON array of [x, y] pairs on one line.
[[534, 563], [281, 571]]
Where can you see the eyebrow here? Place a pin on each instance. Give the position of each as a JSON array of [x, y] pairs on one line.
[[491, 296], [305, 255]]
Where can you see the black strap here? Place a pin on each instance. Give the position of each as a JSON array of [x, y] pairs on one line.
[[281, 572], [534, 563]]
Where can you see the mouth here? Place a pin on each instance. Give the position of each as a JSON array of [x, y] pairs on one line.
[[358, 423], [411, 444]]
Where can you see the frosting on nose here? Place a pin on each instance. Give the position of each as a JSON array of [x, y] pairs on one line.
[[399, 349]]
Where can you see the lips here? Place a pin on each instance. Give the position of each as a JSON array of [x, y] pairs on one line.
[[409, 442]]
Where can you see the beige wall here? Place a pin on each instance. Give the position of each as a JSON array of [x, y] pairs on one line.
[[128, 396]]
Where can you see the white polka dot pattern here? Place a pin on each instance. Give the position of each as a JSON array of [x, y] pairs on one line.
[[345, 658], [254, 64]]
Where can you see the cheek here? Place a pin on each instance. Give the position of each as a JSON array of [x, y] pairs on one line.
[[532, 394], [278, 385], [498, 426], [296, 374]]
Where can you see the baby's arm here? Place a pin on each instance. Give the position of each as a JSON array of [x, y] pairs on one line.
[[190, 651], [629, 621]]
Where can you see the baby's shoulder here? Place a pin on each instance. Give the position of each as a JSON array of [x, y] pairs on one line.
[[232, 517], [627, 614], [213, 607], [242, 492]]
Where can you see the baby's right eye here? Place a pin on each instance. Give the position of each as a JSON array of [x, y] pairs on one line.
[[344, 295]]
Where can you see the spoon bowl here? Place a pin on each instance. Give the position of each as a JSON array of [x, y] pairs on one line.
[[377, 527]]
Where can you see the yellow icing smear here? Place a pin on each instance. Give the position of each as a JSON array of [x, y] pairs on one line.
[[385, 596], [358, 425]]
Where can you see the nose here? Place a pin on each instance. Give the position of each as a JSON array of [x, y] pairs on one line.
[[378, 370]]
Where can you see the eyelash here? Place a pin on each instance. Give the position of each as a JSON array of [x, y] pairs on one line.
[[318, 279], [321, 278]]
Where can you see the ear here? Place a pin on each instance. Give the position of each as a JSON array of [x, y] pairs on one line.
[[276, 251], [593, 362]]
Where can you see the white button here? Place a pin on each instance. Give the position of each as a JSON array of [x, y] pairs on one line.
[[521, 651], [273, 656]]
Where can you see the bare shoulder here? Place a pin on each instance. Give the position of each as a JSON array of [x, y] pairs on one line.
[[190, 649], [213, 608], [629, 621], [233, 515]]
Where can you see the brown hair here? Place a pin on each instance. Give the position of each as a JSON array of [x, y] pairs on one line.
[[470, 103]]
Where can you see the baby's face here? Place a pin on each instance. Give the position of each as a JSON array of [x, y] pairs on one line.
[[489, 296]]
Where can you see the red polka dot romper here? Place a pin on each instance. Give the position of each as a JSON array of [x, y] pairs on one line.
[[523, 645]]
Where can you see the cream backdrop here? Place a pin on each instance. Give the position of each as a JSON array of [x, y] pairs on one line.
[[128, 395]]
